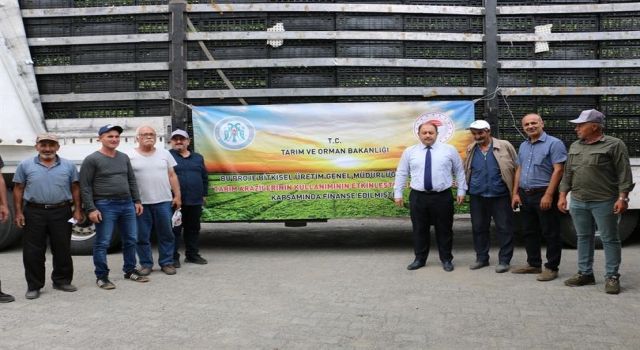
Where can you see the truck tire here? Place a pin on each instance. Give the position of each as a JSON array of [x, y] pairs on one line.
[[84, 234], [626, 227], [9, 233]]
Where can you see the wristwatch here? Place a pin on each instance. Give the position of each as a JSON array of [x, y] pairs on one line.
[[624, 199]]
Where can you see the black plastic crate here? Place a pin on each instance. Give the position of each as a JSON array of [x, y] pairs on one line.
[[240, 78], [104, 25], [54, 84], [303, 21], [47, 27], [620, 77], [348, 21], [110, 3], [103, 54], [370, 49], [382, 98], [567, 77], [158, 108], [152, 52], [227, 49], [149, 24], [564, 106], [303, 48], [620, 105], [516, 78], [624, 123], [443, 23], [443, 77], [518, 105], [624, 49], [445, 2], [515, 51], [620, 21], [579, 50], [303, 77], [104, 82], [302, 99], [370, 76], [561, 24], [443, 50], [51, 55], [152, 81], [229, 22], [44, 4]]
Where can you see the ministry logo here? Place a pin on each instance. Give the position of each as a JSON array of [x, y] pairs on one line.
[[445, 125], [234, 133]]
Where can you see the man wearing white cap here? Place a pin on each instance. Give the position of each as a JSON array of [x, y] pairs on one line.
[[598, 174], [45, 188], [194, 184], [490, 167]]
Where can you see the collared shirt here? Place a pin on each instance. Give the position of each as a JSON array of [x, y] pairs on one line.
[[445, 163], [193, 177], [536, 160], [46, 185], [598, 171]]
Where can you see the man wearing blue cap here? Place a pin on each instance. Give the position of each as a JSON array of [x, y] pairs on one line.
[[598, 174], [110, 196]]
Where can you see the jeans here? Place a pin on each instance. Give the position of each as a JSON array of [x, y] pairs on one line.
[[42, 225], [123, 213], [584, 216], [157, 217], [190, 230], [432, 209], [482, 210], [537, 223]]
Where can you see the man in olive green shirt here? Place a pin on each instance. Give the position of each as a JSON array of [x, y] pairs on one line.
[[598, 174]]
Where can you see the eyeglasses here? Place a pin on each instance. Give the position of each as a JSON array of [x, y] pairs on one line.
[[150, 135]]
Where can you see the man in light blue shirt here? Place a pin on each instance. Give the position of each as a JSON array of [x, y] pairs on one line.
[[430, 164]]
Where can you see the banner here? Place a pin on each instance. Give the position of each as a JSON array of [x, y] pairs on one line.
[[314, 161]]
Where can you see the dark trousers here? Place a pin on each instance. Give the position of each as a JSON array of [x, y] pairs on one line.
[[537, 223], [189, 231], [41, 224], [432, 209], [482, 210]]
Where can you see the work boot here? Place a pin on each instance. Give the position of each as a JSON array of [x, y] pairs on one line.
[[579, 280], [612, 286]]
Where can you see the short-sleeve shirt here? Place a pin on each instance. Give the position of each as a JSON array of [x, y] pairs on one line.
[[536, 161], [152, 175], [46, 185]]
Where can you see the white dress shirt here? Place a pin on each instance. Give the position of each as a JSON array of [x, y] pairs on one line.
[[445, 163]]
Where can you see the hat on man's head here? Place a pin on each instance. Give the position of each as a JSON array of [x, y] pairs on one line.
[[47, 137], [589, 116], [108, 128], [179, 132], [480, 125]]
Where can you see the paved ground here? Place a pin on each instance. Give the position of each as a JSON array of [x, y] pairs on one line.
[[332, 285]]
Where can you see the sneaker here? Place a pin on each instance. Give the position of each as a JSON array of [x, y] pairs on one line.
[[579, 279], [104, 283], [135, 276], [169, 269], [502, 268], [526, 269], [144, 271], [196, 259], [612, 286], [547, 275]]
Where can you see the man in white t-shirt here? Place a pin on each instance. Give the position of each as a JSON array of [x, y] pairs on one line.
[[159, 192]]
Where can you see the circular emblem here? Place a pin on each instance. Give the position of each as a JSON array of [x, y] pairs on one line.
[[234, 133], [445, 125]]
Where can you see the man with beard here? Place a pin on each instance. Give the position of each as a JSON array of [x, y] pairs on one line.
[[490, 166], [431, 166], [47, 186]]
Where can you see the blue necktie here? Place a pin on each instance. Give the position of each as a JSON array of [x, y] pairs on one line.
[[428, 186]]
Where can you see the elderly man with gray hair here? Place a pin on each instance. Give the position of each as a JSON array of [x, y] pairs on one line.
[[598, 174]]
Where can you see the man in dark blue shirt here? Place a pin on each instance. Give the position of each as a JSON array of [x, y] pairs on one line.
[[193, 178]]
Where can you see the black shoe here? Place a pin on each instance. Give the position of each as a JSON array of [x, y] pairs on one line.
[[196, 259], [447, 266], [6, 298], [478, 265], [416, 264], [65, 287], [32, 294]]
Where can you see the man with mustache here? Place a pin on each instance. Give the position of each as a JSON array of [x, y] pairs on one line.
[[46, 186], [490, 166], [431, 166]]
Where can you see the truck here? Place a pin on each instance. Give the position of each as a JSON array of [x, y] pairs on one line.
[[70, 66]]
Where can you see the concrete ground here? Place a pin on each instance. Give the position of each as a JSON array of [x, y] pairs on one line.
[[341, 284]]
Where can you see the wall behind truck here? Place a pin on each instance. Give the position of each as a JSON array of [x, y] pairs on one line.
[[126, 58]]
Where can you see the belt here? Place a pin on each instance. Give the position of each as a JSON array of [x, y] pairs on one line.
[[49, 206], [432, 192], [534, 190]]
